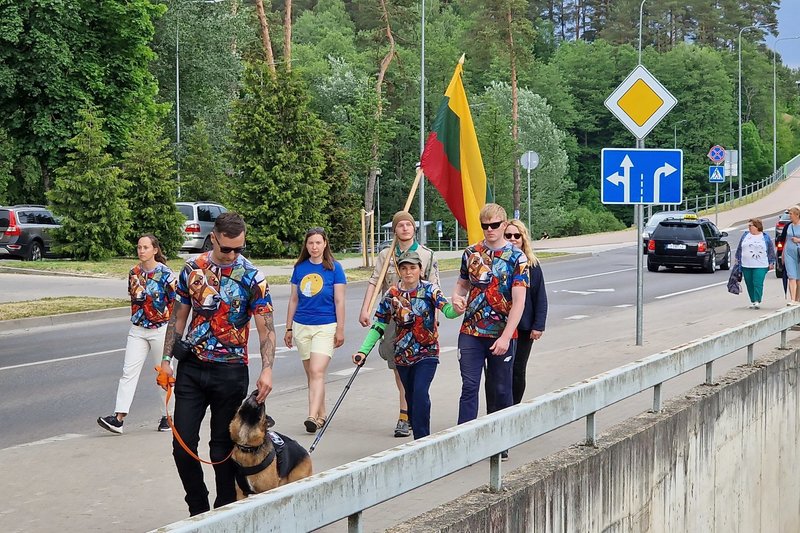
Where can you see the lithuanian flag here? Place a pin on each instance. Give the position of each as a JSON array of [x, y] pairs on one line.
[[452, 159]]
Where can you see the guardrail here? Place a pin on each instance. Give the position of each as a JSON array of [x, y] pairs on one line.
[[345, 491], [728, 198]]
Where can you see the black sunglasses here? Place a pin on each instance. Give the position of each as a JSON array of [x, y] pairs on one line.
[[513, 235], [229, 249], [493, 225]]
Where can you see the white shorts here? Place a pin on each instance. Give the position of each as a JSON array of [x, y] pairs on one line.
[[314, 339]]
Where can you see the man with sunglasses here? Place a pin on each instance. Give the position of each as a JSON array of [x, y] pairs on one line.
[[222, 291], [491, 292]]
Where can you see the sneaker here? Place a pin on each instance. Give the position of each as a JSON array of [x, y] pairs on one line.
[[110, 423], [753, 305], [402, 429], [756, 305], [163, 425], [504, 455]]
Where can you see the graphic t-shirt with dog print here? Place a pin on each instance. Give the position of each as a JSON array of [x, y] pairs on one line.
[[152, 295], [223, 298], [491, 274], [414, 314]]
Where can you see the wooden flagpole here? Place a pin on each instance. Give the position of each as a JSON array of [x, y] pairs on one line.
[[390, 257]]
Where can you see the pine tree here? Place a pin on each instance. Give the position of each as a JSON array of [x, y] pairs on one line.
[[89, 196], [277, 162], [202, 177], [148, 166]]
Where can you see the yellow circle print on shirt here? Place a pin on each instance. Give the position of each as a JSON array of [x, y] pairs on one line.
[[311, 284]]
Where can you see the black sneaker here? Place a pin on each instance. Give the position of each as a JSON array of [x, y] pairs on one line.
[[110, 423], [504, 455], [163, 425]]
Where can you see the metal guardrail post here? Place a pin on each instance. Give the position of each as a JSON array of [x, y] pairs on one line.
[[657, 398], [783, 339], [354, 523], [750, 354], [495, 474], [591, 430], [710, 373]]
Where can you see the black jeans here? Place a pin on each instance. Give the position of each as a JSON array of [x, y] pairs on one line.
[[417, 380], [199, 385], [524, 344]]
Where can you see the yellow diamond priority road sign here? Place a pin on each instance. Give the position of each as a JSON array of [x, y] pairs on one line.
[[640, 102]]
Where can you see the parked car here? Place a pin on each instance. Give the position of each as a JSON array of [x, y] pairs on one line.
[[26, 231], [653, 222], [688, 242], [200, 217]]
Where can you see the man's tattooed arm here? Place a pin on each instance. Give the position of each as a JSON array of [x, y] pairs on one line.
[[175, 326], [266, 329]]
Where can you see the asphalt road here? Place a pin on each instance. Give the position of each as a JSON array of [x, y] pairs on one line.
[[64, 377]]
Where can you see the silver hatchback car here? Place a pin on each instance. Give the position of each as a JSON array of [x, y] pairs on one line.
[[200, 217]]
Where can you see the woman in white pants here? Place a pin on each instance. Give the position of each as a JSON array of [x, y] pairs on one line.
[[151, 285]]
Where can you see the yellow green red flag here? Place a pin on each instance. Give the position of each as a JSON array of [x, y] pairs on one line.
[[452, 159]]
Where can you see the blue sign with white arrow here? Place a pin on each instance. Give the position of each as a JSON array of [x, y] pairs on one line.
[[716, 174], [641, 176]]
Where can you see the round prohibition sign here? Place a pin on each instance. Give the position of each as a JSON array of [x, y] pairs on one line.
[[717, 154]]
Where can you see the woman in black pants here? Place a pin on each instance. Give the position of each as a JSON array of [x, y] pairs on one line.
[[532, 324]]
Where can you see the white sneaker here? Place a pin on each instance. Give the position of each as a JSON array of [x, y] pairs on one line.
[[752, 305], [757, 305]]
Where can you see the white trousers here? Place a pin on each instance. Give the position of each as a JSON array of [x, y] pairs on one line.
[[141, 342]]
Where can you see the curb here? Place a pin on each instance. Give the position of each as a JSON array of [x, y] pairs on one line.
[[35, 272], [59, 320]]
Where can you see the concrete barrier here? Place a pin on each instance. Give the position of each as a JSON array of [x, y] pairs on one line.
[[721, 457]]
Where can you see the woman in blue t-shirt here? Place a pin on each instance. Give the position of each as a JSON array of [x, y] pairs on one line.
[[315, 318]]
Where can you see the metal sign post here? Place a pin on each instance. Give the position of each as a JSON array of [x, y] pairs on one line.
[[529, 161], [640, 102]]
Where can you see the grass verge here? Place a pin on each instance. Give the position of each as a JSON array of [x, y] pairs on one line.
[[57, 306]]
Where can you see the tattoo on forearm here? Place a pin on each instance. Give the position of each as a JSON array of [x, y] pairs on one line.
[[268, 342], [172, 334]]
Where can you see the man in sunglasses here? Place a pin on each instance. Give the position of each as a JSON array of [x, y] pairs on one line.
[[221, 290], [404, 226], [491, 293]]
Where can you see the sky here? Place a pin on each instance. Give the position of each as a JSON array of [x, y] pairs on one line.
[[788, 17]]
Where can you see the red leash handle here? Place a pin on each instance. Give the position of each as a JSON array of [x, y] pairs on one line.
[[164, 380]]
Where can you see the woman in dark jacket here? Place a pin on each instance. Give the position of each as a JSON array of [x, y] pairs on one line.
[[532, 324]]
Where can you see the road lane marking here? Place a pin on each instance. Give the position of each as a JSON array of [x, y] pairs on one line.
[[57, 438], [582, 293], [591, 275], [279, 350], [687, 291], [603, 290], [576, 317], [70, 358], [347, 372], [623, 306]]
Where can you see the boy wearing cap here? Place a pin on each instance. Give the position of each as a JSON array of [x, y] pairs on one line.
[[411, 306], [403, 226]]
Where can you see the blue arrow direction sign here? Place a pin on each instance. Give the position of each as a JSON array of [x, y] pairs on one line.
[[641, 176], [716, 174]]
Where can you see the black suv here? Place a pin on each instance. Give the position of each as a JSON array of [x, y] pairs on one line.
[[689, 242], [25, 231]]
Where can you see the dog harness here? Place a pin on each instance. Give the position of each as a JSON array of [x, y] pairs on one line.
[[287, 452]]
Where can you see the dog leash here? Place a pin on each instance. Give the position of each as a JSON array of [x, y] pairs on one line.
[[169, 381]]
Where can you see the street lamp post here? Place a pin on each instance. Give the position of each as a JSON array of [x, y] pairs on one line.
[[741, 169], [178, 83], [422, 235], [774, 105], [675, 132]]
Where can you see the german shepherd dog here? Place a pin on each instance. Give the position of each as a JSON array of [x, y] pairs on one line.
[[264, 459]]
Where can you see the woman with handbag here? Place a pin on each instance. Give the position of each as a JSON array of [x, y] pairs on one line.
[[756, 256]]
